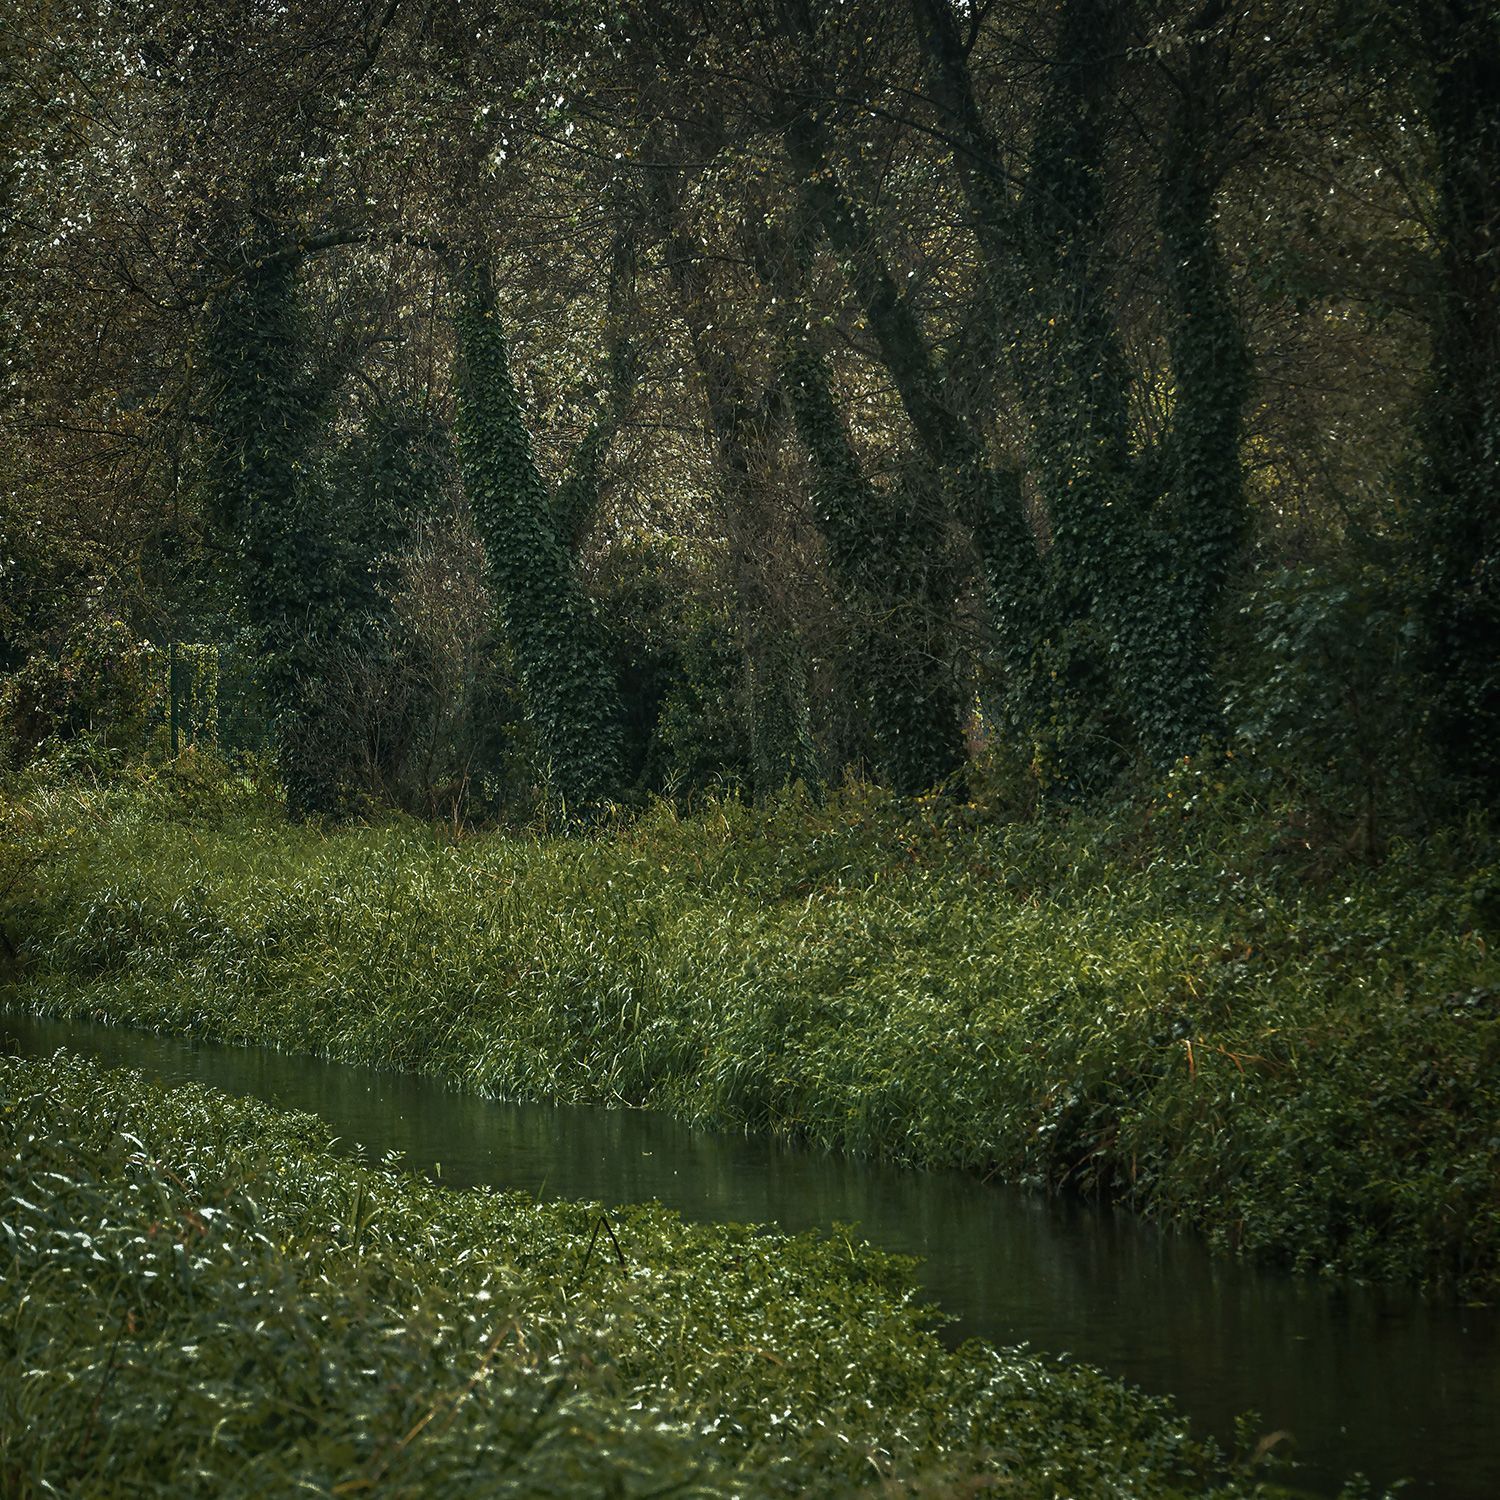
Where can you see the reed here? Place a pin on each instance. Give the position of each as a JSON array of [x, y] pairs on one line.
[[1173, 1003]]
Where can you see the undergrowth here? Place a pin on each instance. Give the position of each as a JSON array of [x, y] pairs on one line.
[[199, 1298], [1180, 1003]]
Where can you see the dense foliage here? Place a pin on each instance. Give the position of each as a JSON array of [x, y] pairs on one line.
[[969, 363], [1182, 1006], [200, 1298], [917, 576], [551, 625]]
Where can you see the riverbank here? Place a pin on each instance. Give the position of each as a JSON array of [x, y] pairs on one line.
[[1181, 1007], [197, 1286]]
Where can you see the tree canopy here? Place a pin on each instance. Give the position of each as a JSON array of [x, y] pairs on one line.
[[564, 403]]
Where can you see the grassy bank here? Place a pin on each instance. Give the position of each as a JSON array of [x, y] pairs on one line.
[[1180, 1005], [199, 1298]]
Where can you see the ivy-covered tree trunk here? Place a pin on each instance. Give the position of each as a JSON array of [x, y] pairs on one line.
[[1459, 525], [569, 688], [1172, 588], [1040, 253], [269, 504], [1073, 374], [1139, 548]]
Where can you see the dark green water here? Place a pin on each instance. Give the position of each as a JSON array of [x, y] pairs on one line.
[[1369, 1380]]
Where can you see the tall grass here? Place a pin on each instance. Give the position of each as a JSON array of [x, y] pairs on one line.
[[1175, 1005]]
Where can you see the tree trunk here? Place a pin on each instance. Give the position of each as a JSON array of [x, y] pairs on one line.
[[569, 688], [1459, 525], [268, 503]]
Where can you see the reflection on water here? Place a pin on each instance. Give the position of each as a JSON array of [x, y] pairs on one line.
[[1369, 1380]]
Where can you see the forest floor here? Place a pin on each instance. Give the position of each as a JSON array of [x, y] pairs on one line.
[[1183, 1005]]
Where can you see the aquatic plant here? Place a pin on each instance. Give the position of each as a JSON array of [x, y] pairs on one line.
[[199, 1297]]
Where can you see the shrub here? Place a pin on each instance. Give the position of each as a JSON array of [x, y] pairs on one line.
[[99, 684]]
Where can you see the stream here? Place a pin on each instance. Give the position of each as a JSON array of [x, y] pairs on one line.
[[1373, 1380]]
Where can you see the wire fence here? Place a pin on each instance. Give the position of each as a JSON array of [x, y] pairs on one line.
[[212, 697]]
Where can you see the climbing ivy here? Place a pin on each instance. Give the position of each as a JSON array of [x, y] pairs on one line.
[[570, 692], [1108, 627], [264, 493], [1073, 376], [1458, 530], [1183, 553], [406, 466], [576, 503]]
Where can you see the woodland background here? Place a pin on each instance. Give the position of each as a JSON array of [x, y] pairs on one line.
[[491, 407]]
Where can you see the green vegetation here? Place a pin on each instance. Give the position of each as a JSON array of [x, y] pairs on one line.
[[928, 569], [895, 428], [200, 1298], [1181, 1005], [265, 420], [572, 697]]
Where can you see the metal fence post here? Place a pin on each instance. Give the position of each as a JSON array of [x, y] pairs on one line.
[[172, 687]]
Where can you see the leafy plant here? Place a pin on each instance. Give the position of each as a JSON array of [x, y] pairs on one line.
[[199, 1297]]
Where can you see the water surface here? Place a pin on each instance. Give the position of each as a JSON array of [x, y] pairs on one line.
[[1365, 1379]]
